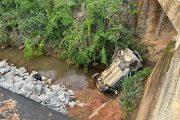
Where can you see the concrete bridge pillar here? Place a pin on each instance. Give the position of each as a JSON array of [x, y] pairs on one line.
[[161, 99], [172, 9]]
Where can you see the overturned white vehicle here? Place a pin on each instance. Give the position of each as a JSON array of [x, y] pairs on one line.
[[125, 62]]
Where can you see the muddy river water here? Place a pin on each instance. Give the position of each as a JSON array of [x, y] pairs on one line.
[[51, 67]]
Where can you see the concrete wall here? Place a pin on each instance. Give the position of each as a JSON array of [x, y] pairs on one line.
[[153, 22], [172, 10], [161, 98]]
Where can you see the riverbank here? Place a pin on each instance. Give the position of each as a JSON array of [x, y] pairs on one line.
[[74, 78]]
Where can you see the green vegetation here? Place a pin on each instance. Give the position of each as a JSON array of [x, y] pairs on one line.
[[169, 48], [84, 31], [132, 89], [33, 48]]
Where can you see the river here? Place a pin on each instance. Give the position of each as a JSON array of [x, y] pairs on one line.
[[51, 67]]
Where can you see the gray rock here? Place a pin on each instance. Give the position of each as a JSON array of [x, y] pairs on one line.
[[71, 92], [17, 78], [55, 87], [63, 89], [4, 70], [22, 91], [9, 76], [43, 98], [72, 104], [3, 64], [48, 92], [19, 81], [13, 69], [2, 79], [29, 86], [61, 96], [29, 78], [38, 82], [64, 100], [17, 86], [22, 70], [66, 95], [27, 89], [6, 85], [35, 98], [54, 98], [38, 89]]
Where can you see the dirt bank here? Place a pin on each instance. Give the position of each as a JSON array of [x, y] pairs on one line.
[[100, 106], [155, 49]]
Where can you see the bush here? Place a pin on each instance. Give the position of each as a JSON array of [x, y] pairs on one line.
[[33, 49], [4, 39], [84, 31], [132, 89]]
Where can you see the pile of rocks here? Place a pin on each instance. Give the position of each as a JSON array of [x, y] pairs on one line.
[[18, 80]]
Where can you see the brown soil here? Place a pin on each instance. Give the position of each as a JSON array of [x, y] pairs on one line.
[[6, 107], [100, 106]]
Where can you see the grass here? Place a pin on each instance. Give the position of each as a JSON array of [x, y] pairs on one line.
[[132, 89], [170, 47]]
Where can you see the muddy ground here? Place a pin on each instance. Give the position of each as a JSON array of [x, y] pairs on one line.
[[100, 106]]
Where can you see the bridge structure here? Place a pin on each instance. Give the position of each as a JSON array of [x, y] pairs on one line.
[[161, 98], [159, 18], [172, 10]]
